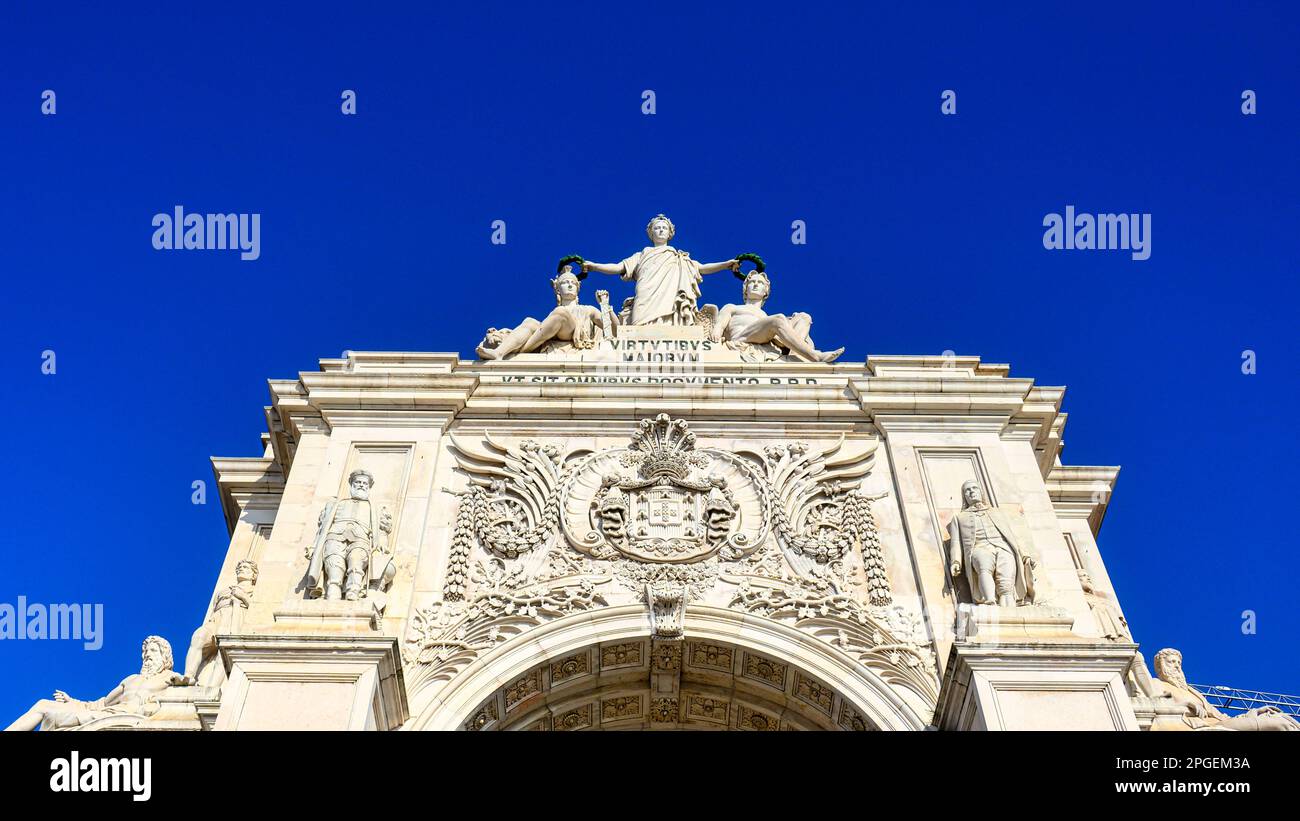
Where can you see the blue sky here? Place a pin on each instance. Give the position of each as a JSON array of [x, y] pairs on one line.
[[924, 235]]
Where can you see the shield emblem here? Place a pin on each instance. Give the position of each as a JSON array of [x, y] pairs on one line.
[[667, 513], [665, 508]]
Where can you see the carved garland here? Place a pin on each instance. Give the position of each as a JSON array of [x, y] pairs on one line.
[[462, 543], [857, 524]]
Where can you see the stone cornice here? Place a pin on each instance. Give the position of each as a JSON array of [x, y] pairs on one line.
[[289, 402], [360, 397], [892, 393], [940, 386], [332, 658], [885, 365], [825, 401], [938, 423], [391, 361], [380, 389], [1042, 666], [414, 389], [1082, 492], [923, 393], [372, 388], [247, 483]]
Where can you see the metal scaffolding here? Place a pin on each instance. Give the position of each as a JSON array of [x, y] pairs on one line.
[[1233, 700]]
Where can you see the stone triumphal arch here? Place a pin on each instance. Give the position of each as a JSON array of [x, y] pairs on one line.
[[662, 514]]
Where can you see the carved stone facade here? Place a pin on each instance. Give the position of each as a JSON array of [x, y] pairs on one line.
[[662, 524]]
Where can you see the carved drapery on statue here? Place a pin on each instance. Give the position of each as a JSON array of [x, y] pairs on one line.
[[569, 323], [139, 698], [667, 282], [1171, 686]]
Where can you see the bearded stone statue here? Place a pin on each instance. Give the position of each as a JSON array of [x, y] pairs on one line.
[[135, 696], [350, 556], [1201, 714]]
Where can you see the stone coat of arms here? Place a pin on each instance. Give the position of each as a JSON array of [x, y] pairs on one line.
[[662, 500]]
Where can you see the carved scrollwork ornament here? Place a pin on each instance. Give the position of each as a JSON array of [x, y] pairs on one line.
[[666, 519]]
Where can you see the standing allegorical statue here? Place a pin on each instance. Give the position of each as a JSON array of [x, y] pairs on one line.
[[666, 279], [1114, 627], [135, 696], [982, 542], [748, 323], [1201, 714], [569, 321], [350, 557], [1110, 621], [226, 618]]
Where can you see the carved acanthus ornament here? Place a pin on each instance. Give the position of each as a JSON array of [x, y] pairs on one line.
[[888, 639], [447, 635], [667, 589]]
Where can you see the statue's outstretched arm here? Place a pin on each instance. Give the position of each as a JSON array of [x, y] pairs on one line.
[[714, 267], [603, 268]]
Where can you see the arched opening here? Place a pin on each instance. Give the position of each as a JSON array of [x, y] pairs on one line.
[[642, 684], [604, 671]]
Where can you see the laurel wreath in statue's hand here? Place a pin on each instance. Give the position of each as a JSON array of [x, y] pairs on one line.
[[759, 266], [572, 258]]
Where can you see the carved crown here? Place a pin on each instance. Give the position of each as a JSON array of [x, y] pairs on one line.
[[665, 442]]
